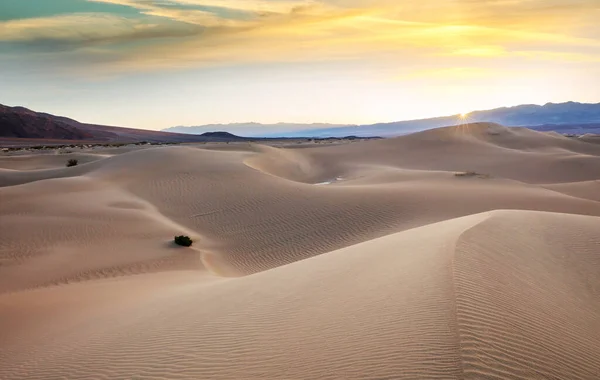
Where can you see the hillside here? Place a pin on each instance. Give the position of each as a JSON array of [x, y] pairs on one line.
[[22, 123]]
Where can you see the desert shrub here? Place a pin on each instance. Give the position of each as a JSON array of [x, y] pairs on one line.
[[72, 162], [471, 174], [466, 174], [183, 240]]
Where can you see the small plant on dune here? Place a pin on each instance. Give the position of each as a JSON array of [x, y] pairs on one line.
[[183, 240], [471, 174], [72, 162], [465, 174]]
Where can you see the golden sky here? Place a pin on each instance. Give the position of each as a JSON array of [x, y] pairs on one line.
[[155, 64]]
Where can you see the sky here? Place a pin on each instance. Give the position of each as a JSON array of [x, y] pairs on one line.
[[155, 64]]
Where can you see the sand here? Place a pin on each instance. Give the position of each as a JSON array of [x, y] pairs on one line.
[[366, 260]]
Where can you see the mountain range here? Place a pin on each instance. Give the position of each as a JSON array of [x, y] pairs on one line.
[[569, 117], [566, 118]]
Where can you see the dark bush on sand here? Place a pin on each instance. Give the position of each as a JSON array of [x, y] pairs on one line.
[[183, 240]]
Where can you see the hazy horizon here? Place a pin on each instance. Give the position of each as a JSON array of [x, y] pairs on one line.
[[159, 64]]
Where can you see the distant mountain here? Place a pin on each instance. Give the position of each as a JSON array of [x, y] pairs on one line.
[[225, 136], [22, 123], [253, 129], [557, 117], [565, 118]]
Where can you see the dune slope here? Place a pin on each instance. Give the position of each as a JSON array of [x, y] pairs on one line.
[[515, 153], [249, 218], [442, 301]]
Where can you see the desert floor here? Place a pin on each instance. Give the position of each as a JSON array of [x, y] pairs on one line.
[[469, 252]]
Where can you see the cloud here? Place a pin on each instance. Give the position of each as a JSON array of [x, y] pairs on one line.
[[559, 56], [192, 33], [277, 6], [83, 29], [451, 73]]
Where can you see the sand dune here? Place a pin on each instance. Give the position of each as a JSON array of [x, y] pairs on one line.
[[520, 154], [251, 221], [65, 230], [393, 267], [585, 189], [485, 296], [44, 161]]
